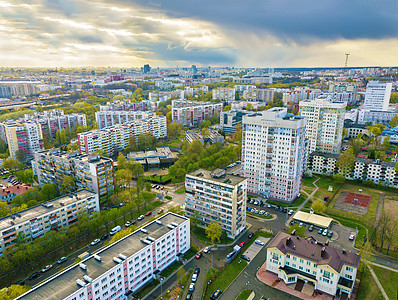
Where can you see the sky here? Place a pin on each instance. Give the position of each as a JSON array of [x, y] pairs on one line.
[[171, 33]]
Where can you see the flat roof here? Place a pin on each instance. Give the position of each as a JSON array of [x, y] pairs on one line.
[[317, 220], [38, 210], [206, 174], [74, 155], [64, 284]]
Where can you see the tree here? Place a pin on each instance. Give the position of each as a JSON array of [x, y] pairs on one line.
[[357, 144], [386, 142], [205, 124], [72, 147], [195, 221], [318, 206], [339, 178], [249, 106], [213, 232], [63, 137], [237, 137], [366, 254], [25, 176], [48, 191], [121, 161], [69, 184], [58, 137], [346, 162], [227, 108], [13, 291], [299, 230], [206, 133], [39, 108], [394, 121], [20, 156], [12, 164], [392, 233], [195, 148], [137, 170]]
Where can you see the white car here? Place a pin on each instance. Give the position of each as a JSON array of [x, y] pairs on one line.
[[194, 277], [352, 237], [261, 212], [46, 268], [325, 232], [258, 242], [141, 218], [290, 212], [207, 249], [191, 287], [95, 242]]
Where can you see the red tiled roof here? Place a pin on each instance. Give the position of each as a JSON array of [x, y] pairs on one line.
[[17, 189]]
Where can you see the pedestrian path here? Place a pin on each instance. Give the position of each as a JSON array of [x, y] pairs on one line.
[[378, 283]]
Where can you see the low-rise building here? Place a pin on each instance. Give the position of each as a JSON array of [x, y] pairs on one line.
[[51, 215], [353, 129], [217, 197], [161, 157], [8, 193], [213, 137], [122, 268], [392, 133], [330, 270], [371, 117], [94, 173]]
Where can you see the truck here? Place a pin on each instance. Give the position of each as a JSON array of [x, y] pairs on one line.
[[230, 257], [115, 229]]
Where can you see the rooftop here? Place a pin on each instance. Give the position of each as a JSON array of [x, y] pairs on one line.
[[94, 158], [38, 210], [311, 249], [64, 284], [15, 189], [227, 179]]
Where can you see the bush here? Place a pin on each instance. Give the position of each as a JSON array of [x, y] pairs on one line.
[[168, 197]]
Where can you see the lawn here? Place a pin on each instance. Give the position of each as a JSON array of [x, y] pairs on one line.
[[146, 289], [260, 216], [296, 202], [158, 178], [388, 280], [180, 190], [200, 233], [174, 143], [368, 289], [170, 269], [244, 295]]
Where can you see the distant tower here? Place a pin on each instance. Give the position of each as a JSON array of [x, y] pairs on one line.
[[146, 69], [346, 59]]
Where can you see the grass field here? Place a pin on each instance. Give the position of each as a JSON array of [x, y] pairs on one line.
[[296, 202], [368, 289], [244, 295], [181, 190], [260, 216], [389, 281]]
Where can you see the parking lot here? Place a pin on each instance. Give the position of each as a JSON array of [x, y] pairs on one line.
[[254, 248]]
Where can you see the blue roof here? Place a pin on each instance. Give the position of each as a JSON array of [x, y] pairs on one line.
[[390, 131]]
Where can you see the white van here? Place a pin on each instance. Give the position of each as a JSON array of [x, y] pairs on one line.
[[114, 230]]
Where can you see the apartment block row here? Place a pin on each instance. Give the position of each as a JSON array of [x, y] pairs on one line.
[[329, 270], [300, 94], [192, 113], [380, 172], [51, 215], [190, 92], [94, 173], [144, 105], [259, 95], [224, 93], [215, 196], [122, 268], [110, 140], [107, 118], [274, 153]]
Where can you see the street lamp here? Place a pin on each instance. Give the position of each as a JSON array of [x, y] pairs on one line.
[[161, 287]]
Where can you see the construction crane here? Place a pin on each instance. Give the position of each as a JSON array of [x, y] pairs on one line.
[[346, 59]]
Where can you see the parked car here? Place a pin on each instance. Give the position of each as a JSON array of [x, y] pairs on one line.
[[148, 214], [141, 218], [325, 232], [251, 201], [261, 212], [128, 224], [62, 259], [244, 257], [34, 275], [266, 214], [258, 242], [352, 237], [133, 222], [95, 242], [242, 243], [290, 212], [269, 205], [194, 277], [251, 234], [216, 294], [330, 234], [160, 211], [189, 296], [320, 231], [46, 268], [197, 271], [249, 208], [191, 287], [284, 210], [311, 228], [207, 249], [104, 237], [199, 255]]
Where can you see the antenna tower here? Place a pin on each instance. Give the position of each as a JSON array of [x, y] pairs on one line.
[[346, 59]]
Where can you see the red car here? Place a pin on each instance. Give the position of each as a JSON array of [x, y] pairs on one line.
[[242, 244], [148, 213], [199, 255]]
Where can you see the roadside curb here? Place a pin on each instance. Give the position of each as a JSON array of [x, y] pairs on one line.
[[262, 219]]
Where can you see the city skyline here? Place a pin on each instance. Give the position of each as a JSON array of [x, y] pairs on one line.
[[179, 33]]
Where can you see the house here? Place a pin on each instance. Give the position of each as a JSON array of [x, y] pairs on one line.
[[7, 194]]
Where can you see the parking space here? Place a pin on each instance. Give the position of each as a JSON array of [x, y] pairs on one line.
[[254, 248]]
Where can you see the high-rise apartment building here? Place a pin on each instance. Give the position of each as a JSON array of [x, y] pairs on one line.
[[259, 95], [107, 118], [192, 113], [110, 140], [377, 96], [127, 106], [274, 153], [27, 138], [122, 268], [94, 173], [51, 215], [325, 122], [224, 93], [217, 197]]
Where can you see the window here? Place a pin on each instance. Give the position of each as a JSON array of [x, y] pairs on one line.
[[326, 274], [308, 263], [301, 261], [349, 269], [348, 276], [290, 279], [325, 280], [294, 258]]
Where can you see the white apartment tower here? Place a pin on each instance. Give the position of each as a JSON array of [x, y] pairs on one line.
[[377, 96], [325, 122], [274, 153]]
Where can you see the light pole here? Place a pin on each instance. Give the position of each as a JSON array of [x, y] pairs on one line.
[[161, 287]]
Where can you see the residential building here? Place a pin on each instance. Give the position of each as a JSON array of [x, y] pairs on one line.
[[51, 215], [20, 88], [214, 136], [152, 159], [107, 118], [353, 129], [377, 96], [192, 113], [259, 95], [392, 133], [27, 138], [371, 117], [240, 88], [300, 94], [330, 270], [121, 268], [5, 91], [230, 119], [110, 140], [325, 122], [127, 106], [8, 193], [274, 153], [224, 93], [217, 197], [346, 87], [190, 92], [93, 173]]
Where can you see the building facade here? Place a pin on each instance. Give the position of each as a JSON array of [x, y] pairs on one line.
[[27, 138], [192, 113], [224, 94], [330, 270], [259, 95], [274, 153], [120, 269], [371, 117], [110, 140], [93, 173], [229, 119], [377, 96], [107, 118], [217, 197], [325, 122], [51, 215]]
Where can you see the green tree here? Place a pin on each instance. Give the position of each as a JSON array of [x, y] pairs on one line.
[[206, 133], [357, 144], [25, 176], [214, 232], [249, 106], [48, 191], [12, 164], [72, 147], [205, 124], [394, 121], [318, 206], [366, 254], [339, 178], [227, 108], [39, 108], [137, 170], [299, 230], [195, 221], [195, 148], [13, 291], [58, 137], [386, 142], [237, 137], [121, 161], [63, 137], [69, 184], [346, 162]]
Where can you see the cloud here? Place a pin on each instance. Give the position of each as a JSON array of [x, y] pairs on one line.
[[176, 32]]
